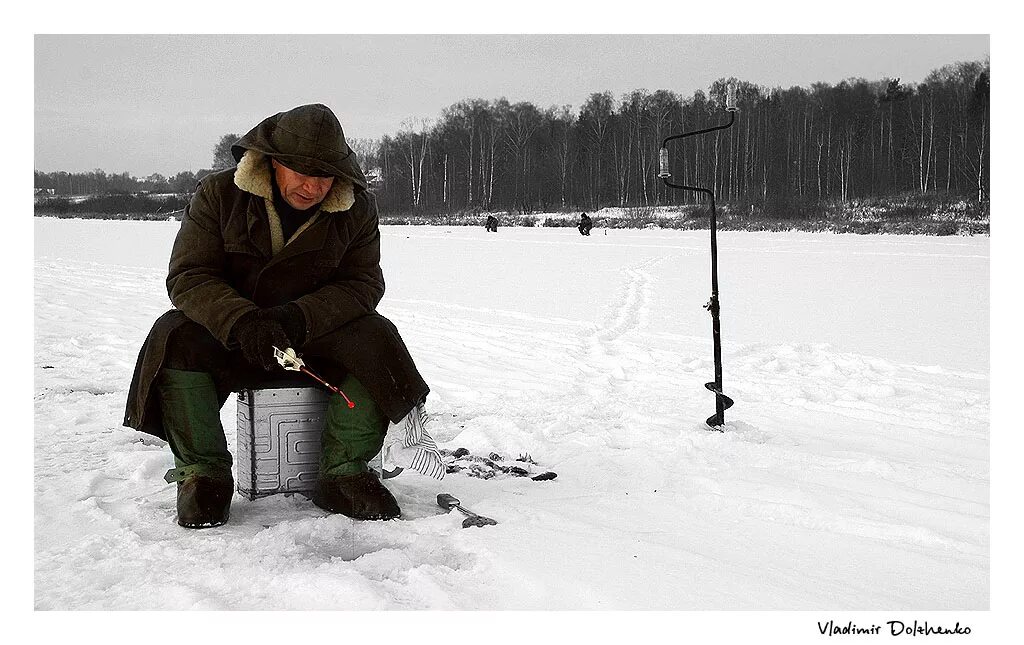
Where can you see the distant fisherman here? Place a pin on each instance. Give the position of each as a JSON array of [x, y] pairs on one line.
[[283, 250], [585, 224]]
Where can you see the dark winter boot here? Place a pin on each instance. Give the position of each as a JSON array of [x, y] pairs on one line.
[[204, 501], [360, 496], [190, 412], [351, 437]]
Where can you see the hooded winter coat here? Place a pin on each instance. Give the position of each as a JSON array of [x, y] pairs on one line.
[[230, 258]]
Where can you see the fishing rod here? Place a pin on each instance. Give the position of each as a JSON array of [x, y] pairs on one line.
[[722, 402], [292, 361]]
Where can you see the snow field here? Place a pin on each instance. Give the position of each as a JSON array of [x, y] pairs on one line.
[[853, 473]]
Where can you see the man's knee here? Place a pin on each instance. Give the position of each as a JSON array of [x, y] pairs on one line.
[[366, 340], [370, 324], [192, 347], [365, 329]]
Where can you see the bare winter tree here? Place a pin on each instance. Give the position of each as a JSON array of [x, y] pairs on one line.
[[415, 146]]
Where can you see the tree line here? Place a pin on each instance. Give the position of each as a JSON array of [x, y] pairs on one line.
[[98, 182], [826, 143], [788, 148]]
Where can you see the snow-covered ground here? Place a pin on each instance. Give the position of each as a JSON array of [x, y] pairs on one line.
[[853, 474]]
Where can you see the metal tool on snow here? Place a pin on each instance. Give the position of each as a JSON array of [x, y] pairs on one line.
[[448, 502], [291, 361], [722, 402]]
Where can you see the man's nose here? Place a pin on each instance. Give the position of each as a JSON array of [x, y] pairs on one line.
[[314, 184]]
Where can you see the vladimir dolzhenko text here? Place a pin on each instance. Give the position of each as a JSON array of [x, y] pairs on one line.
[[890, 628]]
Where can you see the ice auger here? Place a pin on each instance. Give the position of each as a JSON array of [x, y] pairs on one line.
[[722, 402]]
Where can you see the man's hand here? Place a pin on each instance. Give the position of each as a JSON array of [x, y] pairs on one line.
[[292, 320], [257, 334]]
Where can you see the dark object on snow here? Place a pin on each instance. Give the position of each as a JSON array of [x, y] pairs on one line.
[[448, 502], [491, 466], [492, 224], [204, 502], [722, 402], [585, 224], [360, 496]]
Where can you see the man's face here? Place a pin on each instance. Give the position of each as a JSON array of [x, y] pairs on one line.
[[300, 191]]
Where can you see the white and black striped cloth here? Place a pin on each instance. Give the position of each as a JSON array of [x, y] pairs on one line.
[[409, 445]]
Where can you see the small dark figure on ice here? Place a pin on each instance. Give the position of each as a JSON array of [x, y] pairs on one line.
[[585, 224], [492, 224]]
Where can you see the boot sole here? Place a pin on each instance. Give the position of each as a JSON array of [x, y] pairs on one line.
[[203, 525], [208, 525], [319, 504]]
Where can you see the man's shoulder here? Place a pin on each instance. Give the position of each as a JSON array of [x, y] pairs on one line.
[[219, 180], [365, 205], [367, 198]]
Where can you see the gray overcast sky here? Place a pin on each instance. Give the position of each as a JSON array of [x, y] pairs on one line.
[[158, 103]]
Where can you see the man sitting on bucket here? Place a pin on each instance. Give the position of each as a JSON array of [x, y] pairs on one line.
[[281, 251]]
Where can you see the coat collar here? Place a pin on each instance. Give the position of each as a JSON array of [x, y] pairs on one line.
[[253, 176]]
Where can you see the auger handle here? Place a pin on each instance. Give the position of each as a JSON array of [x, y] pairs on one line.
[[448, 502]]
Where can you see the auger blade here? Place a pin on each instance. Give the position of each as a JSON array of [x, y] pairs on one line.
[[716, 421]]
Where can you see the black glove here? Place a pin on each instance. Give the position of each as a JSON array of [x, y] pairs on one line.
[[292, 320], [258, 334]]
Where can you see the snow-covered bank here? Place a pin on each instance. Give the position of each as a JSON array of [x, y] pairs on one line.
[[854, 474], [903, 215]]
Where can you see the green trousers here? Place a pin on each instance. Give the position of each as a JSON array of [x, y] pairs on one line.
[[352, 436], [191, 416]]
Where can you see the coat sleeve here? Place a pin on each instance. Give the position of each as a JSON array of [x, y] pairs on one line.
[[356, 284], [195, 278]]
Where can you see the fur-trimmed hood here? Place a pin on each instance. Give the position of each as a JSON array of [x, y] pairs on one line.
[[253, 175], [308, 139]]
